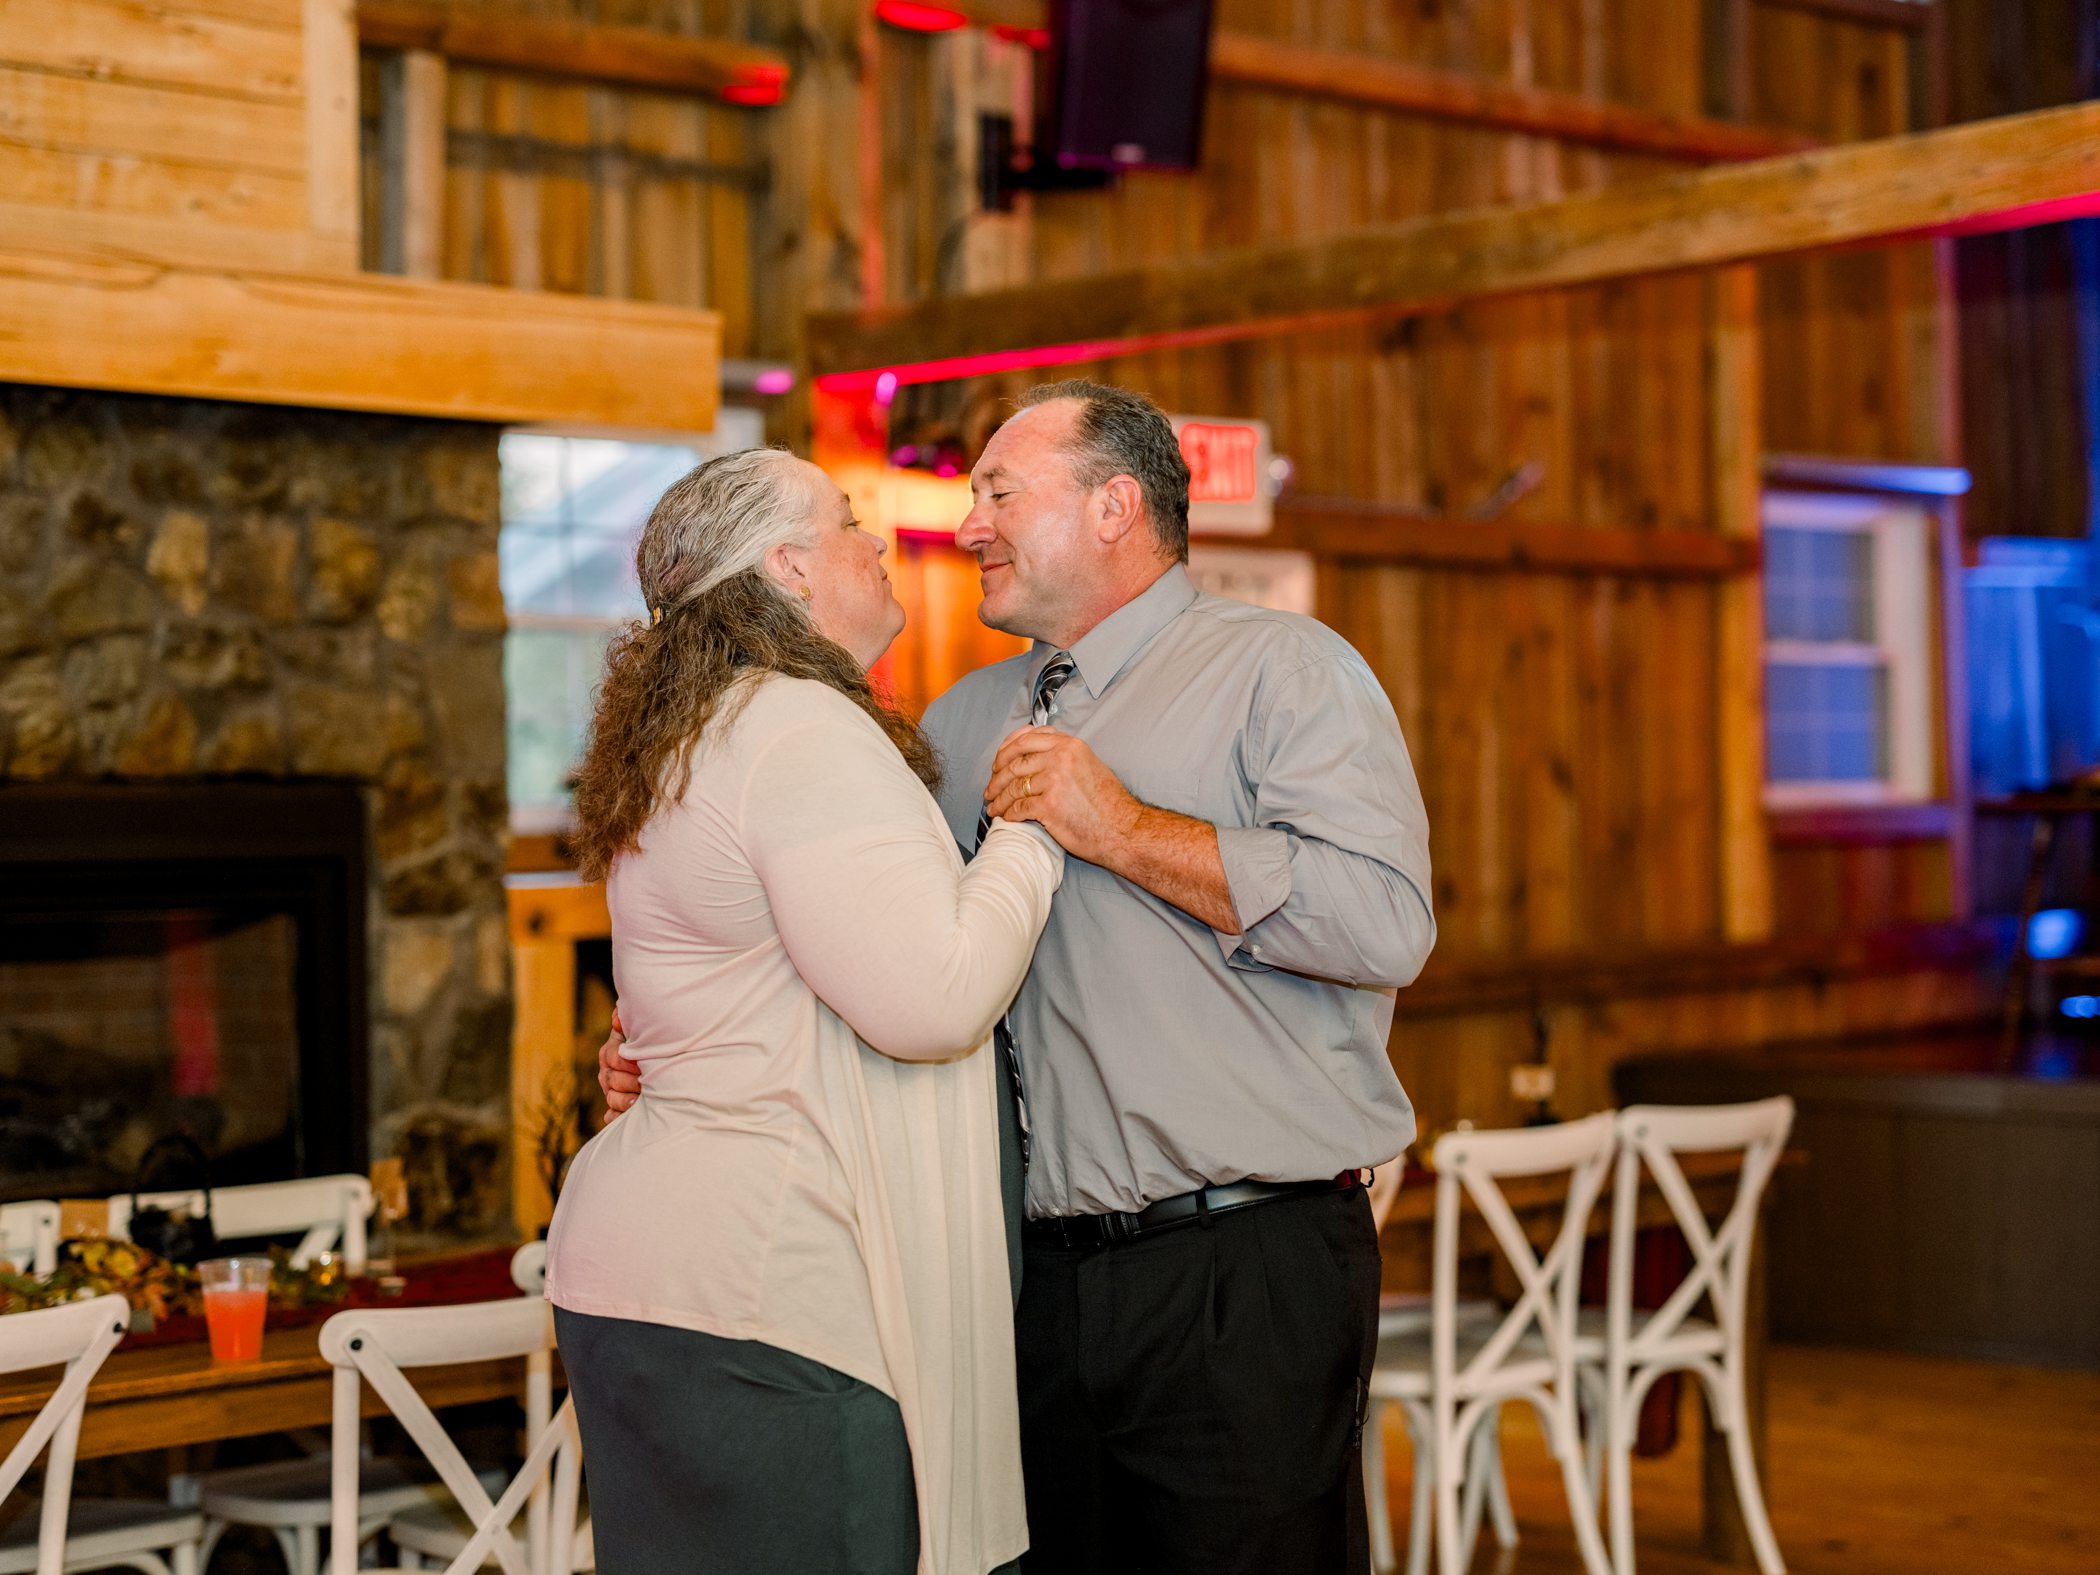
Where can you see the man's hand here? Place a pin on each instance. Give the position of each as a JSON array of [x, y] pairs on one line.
[[620, 1078], [1055, 780]]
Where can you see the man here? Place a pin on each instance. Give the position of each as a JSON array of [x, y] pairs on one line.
[[1200, 1043]]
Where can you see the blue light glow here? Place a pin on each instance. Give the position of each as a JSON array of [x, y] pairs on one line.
[[2081, 1006], [2055, 932]]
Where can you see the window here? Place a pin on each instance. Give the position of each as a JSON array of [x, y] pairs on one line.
[[573, 509], [1848, 681]]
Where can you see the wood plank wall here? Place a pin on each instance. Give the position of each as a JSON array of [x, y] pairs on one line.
[[2030, 304], [1565, 725], [1857, 364], [576, 188], [104, 103]]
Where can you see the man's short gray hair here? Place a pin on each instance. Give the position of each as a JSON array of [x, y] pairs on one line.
[[1122, 433]]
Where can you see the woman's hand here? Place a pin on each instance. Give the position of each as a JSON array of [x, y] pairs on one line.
[[1055, 780], [619, 1078]]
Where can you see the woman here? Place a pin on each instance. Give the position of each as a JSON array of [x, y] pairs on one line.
[[780, 1279]]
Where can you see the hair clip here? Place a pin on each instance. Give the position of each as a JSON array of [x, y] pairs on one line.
[[656, 616]]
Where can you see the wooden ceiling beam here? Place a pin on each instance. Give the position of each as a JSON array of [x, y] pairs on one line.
[[1368, 532], [640, 57], [1905, 14], [1992, 174], [1481, 101], [1384, 83]]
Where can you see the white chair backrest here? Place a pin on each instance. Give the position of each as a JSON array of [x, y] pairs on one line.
[[375, 1345], [331, 1210], [528, 1268], [1651, 1137], [1473, 1164], [1385, 1190], [81, 1335], [29, 1235]]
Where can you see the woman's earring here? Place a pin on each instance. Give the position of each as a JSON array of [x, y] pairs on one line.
[[805, 593]]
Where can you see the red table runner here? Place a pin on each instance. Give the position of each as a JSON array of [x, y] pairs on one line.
[[482, 1276]]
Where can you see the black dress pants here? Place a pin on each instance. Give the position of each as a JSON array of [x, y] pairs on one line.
[[1193, 1401]]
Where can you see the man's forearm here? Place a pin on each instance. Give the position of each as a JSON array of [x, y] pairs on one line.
[[1177, 860]]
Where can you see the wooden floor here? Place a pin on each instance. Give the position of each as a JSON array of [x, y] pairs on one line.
[[1881, 1465]]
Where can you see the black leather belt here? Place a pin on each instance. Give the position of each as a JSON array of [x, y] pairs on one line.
[[1087, 1232]]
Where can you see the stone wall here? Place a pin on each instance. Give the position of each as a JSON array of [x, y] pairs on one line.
[[191, 589]]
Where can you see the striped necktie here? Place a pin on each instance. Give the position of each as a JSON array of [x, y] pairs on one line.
[[1055, 674]]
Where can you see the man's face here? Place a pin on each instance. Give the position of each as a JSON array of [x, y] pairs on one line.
[[1029, 524]]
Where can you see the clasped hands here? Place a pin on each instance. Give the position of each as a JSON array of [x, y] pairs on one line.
[[1055, 780]]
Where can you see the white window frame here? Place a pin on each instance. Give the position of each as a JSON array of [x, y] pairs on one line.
[[1905, 534], [547, 819]]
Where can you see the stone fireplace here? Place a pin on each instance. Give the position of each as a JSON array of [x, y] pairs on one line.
[[216, 600]]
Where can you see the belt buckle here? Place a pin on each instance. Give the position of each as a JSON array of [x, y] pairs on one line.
[[1117, 1229]]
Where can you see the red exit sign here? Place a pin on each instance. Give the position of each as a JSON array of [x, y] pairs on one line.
[[1228, 474]]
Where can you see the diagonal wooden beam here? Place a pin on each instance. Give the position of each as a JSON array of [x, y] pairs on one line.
[[1992, 174]]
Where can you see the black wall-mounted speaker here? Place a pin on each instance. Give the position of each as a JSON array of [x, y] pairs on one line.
[[1127, 81]]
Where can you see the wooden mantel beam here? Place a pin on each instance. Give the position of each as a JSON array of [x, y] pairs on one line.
[[352, 341], [1991, 174]]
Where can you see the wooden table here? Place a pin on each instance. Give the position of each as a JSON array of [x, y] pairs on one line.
[[170, 1392], [176, 1394], [1538, 1202]]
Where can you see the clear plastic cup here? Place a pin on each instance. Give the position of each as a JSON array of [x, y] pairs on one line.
[[236, 1295]]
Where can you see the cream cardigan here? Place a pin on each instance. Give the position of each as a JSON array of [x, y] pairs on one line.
[[809, 975]]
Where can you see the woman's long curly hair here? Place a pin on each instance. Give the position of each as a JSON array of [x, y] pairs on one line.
[[715, 617]]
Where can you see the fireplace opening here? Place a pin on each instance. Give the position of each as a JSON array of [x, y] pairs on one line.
[[180, 959]]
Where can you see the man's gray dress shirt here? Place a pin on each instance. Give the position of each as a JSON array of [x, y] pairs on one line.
[[1160, 1055]]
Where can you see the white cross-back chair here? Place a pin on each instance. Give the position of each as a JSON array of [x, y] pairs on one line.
[[55, 1534], [1622, 1353], [330, 1210], [380, 1346], [1451, 1379], [429, 1531], [1486, 1490], [29, 1235], [287, 1498]]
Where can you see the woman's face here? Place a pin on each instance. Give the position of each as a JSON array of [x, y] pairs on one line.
[[849, 598]]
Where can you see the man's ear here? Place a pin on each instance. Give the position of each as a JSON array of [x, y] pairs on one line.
[[1119, 505]]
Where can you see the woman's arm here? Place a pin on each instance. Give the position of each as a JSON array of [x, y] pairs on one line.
[[918, 958]]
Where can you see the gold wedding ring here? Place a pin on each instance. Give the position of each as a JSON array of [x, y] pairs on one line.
[[1028, 787]]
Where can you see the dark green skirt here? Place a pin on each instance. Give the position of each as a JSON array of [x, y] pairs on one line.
[[729, 1457]]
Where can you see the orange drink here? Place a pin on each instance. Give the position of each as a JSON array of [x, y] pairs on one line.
[[236, 1296]]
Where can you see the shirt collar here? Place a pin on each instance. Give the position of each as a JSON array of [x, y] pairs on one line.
[[1106, 649]]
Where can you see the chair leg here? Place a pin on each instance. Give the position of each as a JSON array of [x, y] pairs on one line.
[[1375, 1496], [1749, 1493], [1450, 1534], [1504, 1517], [183, 1558], [1421, 1510], [1593, 1403], [1483, 1451], [1620, 1419], [1560, 1425], [213, 1531], [306, 1540]]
